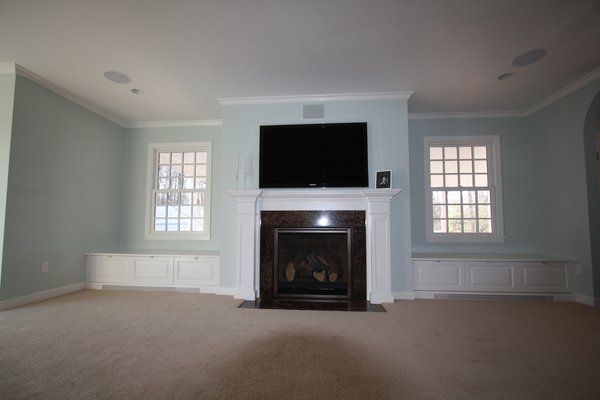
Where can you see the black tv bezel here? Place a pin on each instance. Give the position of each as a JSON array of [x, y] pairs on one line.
[[308, 185]]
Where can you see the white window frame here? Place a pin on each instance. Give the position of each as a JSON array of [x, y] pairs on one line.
[[153, 150], [494, 183]]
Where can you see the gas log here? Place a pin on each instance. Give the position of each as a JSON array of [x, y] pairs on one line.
[[311, 265]]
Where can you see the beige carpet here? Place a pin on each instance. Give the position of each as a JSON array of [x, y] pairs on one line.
[[142, 345]]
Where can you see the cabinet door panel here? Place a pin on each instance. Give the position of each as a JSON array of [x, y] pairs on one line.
[[434, 275], [491, 277], [548, 278], [151, 270], [111, 269], [197, 271]]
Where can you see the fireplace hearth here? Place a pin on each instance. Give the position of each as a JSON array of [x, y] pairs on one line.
[[313, 256]]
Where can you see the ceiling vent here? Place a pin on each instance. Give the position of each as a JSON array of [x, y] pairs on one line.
[[313, 111]]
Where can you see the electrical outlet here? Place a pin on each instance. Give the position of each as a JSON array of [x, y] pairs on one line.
[[45, 265], [578, 269]]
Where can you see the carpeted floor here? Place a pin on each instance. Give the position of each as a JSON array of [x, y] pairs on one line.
[[162, 345]]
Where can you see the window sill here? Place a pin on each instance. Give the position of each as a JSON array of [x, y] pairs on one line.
[[177, 236], [459, 238]]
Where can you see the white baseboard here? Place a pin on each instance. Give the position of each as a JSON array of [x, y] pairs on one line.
[[587, 300], [40, 296], [410, 295], [431, 295], [227, 291]]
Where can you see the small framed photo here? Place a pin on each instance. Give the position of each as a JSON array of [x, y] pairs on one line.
[[384, 180]]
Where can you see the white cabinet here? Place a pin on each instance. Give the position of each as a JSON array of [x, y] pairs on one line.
[[500, 276], [153, 270], [437, 275], [109, 269], [196, 271], [490, 276]]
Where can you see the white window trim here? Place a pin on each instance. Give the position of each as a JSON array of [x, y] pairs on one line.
[[496, 193], [149, 234]]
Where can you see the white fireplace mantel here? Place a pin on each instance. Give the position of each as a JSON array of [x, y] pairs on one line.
[[376, 203]]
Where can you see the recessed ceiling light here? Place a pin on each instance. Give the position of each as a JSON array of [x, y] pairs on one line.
[[528, 58], [137, 91], [506, 76], [116, 77]]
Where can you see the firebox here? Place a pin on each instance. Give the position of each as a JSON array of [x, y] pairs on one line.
[[313, 262], [313, 256]]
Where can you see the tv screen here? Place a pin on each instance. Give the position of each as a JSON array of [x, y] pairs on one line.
[[314, 155]]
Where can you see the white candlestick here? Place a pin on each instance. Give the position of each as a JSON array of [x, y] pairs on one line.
[[245, 165], [237, 166]]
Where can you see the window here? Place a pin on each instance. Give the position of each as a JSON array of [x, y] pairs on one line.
[[179, 191], [464, 201]]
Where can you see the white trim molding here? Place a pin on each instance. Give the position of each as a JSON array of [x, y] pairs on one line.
[[246, 232], [7, 68], [468, 115], [494, 172], [151, 177], [587, 300], [40, 296], [371, 96], [532, 109], [176, 124], [59, 90], [559, 94], [409, 295]]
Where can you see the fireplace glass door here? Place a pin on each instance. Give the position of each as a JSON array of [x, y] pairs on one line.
[[312, 263]]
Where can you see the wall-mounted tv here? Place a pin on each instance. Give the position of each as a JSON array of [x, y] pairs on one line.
[[314, 155]]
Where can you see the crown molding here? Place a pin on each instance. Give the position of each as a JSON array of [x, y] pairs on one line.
[[468, 115], [7, 68], [545, 102], [176, 124], [321, 98], [579, 83], [53, 87]]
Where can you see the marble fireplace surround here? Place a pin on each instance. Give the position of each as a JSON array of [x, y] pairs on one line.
[[376, 203]]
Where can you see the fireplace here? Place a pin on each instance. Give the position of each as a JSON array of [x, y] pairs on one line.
[[370, 276], [313, 256], [312, 262]]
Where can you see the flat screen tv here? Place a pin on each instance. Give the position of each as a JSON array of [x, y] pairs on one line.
[[313, 155]]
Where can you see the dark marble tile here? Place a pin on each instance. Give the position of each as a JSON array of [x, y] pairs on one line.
[[280, 304], [352, 220]]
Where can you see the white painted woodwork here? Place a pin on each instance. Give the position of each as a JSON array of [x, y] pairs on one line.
[[545, 278], [246, 232], [196, 271], [110, 269], [166, 270], [376, 203], [490, 277], [512, 274], [153, 271], [437, 276]]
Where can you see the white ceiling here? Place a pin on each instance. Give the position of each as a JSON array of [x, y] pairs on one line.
[[186, 54]]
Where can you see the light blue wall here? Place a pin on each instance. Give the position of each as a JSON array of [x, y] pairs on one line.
[[388, 149], [7, 94], [561, 217], [516, 181], [135, 164], [64, 190], [592, 128]]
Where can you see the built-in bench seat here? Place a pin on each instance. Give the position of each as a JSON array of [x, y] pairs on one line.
[[166, 269], [491, 273]]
